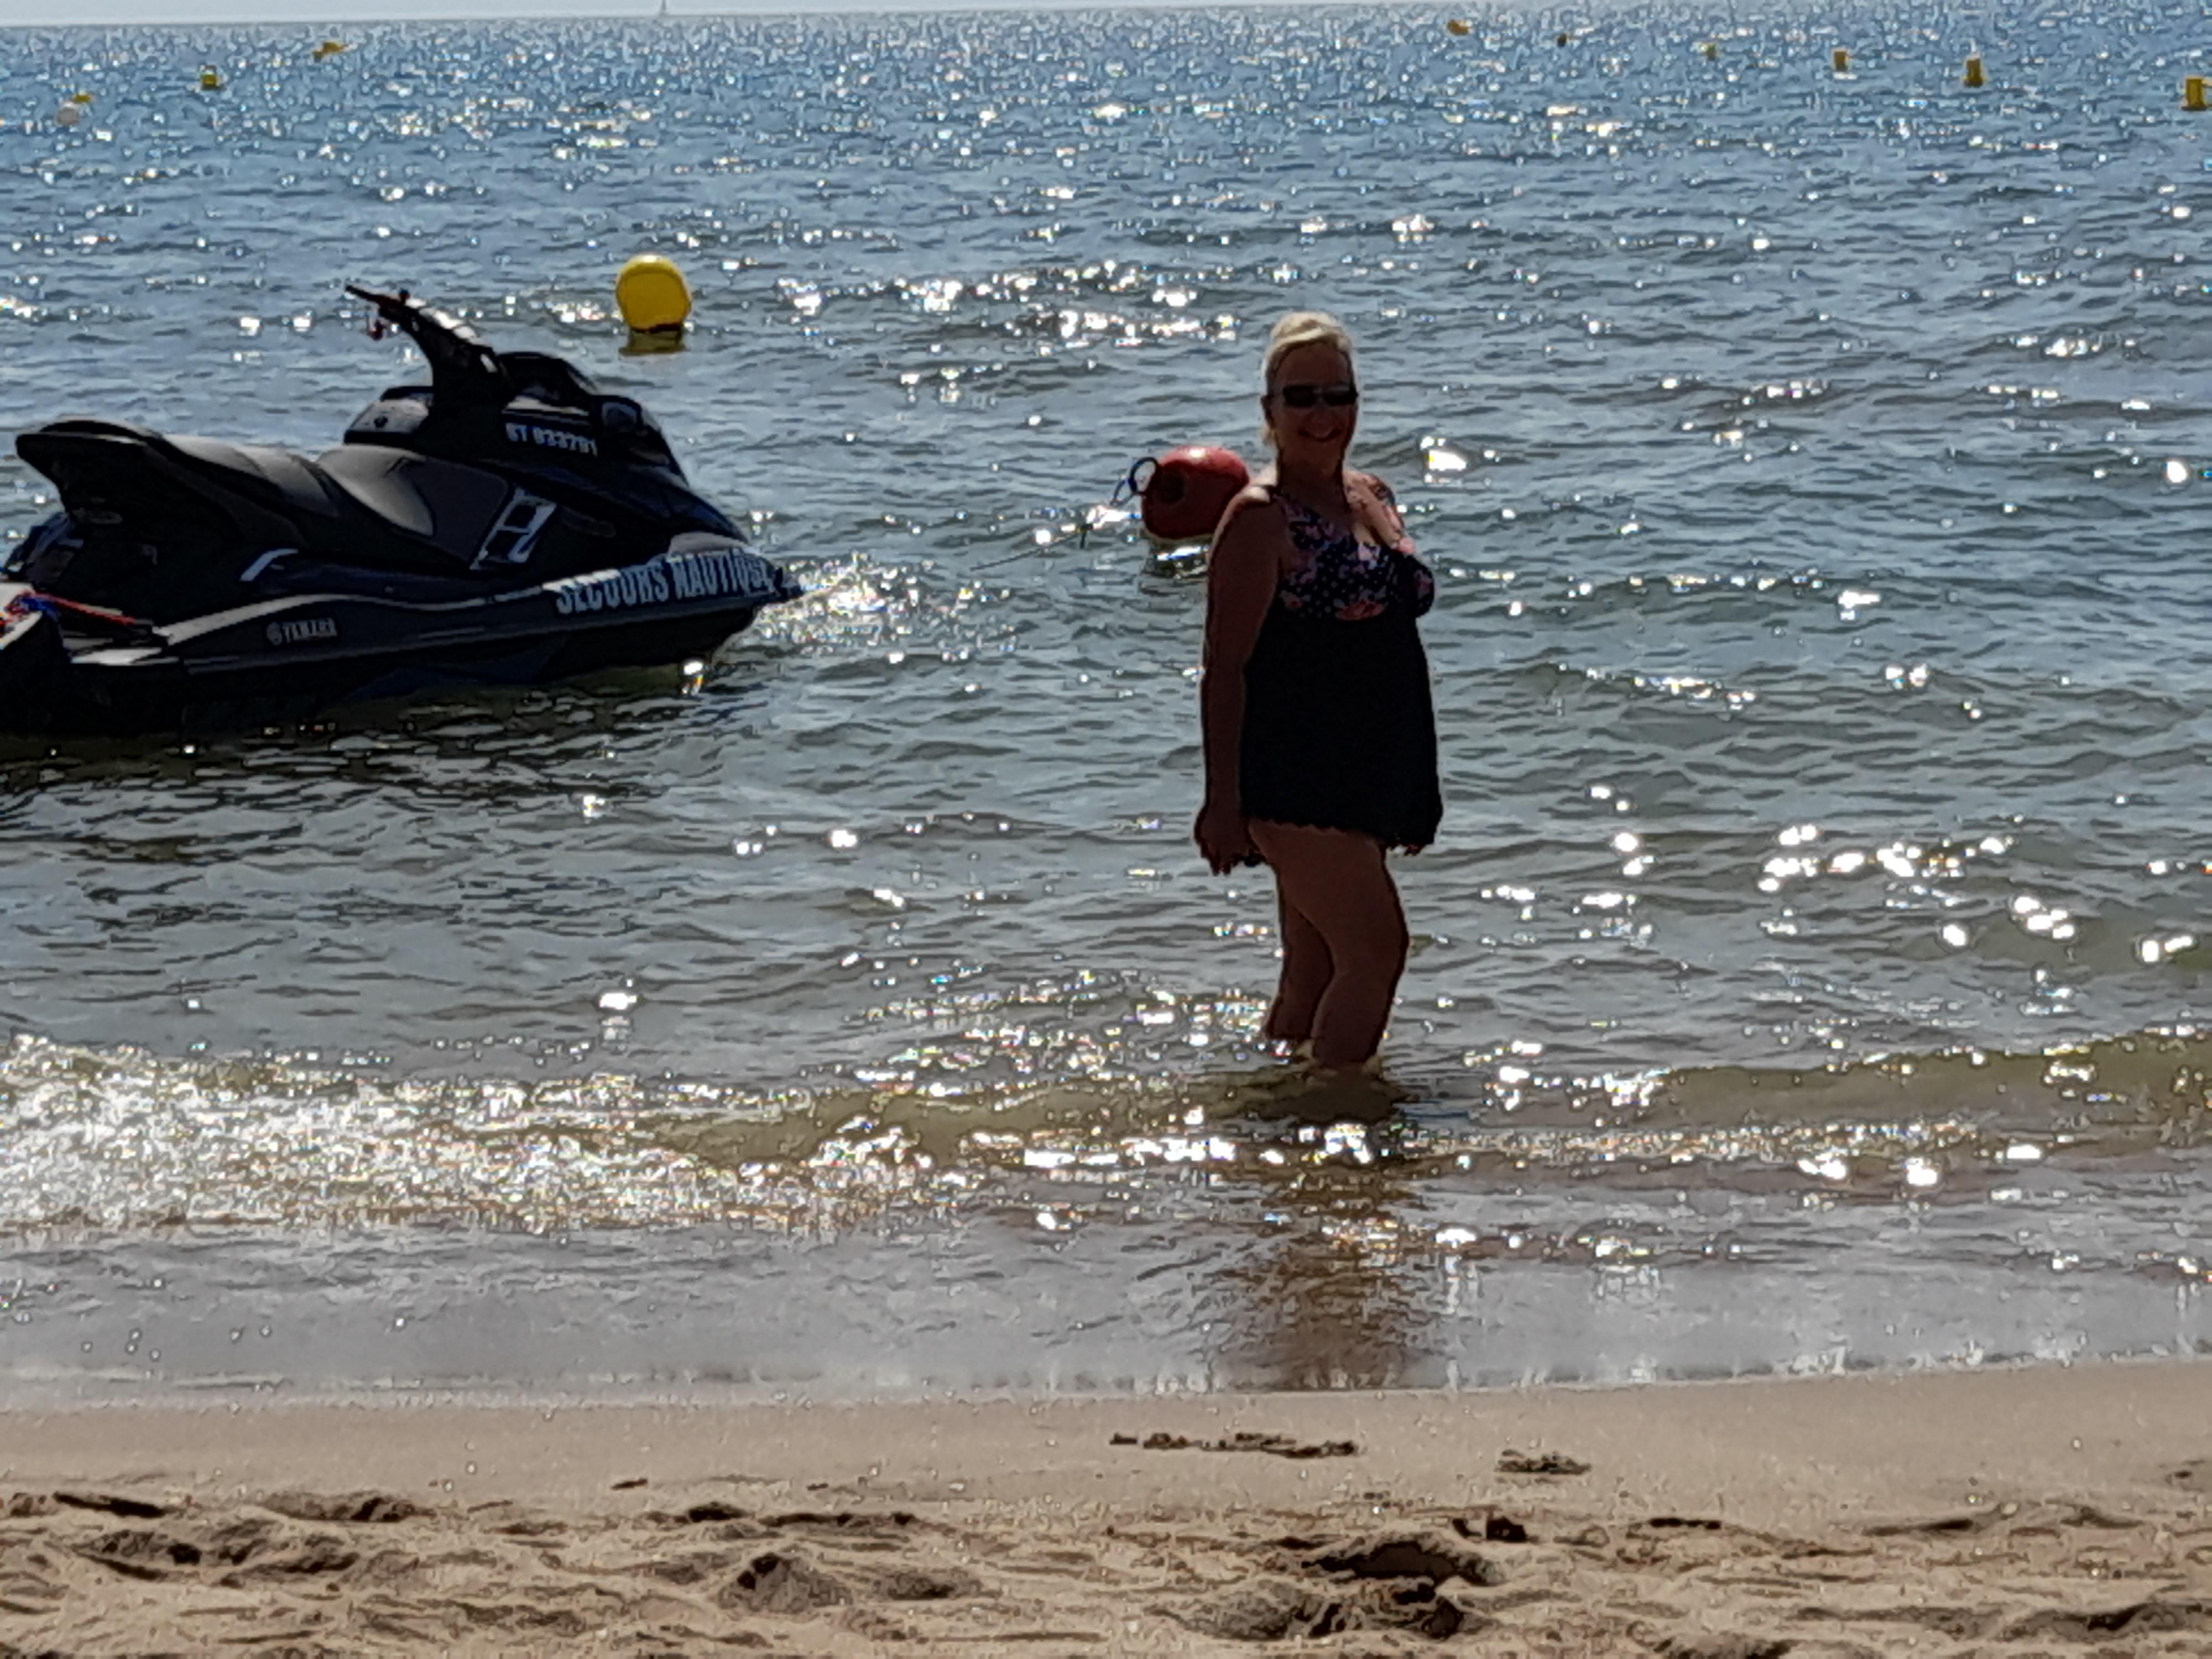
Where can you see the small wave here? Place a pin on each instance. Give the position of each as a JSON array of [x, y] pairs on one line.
[[121, 1142]]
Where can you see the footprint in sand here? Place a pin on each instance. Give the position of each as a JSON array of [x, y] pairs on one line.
[[135, 1507], [1545, 1463], [1274, 1445], [775, 1582]]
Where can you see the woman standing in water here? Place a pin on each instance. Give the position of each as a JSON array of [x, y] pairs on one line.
[[1320, 740]]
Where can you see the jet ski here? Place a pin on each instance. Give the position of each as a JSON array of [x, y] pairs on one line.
[[508, 523]]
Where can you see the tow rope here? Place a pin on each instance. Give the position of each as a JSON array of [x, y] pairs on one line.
[[52, 605]]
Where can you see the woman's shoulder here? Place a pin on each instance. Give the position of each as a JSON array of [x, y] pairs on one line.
[[1257, 497]]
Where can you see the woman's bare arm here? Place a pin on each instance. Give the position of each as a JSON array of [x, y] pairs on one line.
[[1240, 586]]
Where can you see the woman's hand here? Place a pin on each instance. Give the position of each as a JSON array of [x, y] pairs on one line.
[[1373, 504], [1222, 837]]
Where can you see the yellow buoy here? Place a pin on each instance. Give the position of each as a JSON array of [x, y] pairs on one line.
[[210, 81], [652, 296], [80, 98], [1841, 59], [1711, 48], [1974, 69], [1458, 26], [329, 49], [2192, 93]]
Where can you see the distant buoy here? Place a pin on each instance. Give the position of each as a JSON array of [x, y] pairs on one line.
[[1559, 41], [69, 115], [652, 296], [330, 49], [1711, 48], [1974, 69], [1842, 61], [209, 80], [1187, 491], [1458, 26], [2192, 93]]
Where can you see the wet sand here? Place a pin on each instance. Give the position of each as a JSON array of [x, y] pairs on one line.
[[2042, 1512]]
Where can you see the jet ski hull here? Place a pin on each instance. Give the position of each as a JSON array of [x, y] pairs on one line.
[[66, 670]]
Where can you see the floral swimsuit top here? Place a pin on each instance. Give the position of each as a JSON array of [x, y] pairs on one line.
[[1346, 578]]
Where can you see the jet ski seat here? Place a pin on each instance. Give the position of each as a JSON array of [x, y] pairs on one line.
[[268, 477], [452, 506], [271, 475]]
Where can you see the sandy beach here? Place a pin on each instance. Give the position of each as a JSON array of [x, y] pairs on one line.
[[2041, 1512]]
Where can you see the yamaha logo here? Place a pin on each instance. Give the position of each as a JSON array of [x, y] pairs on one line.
[[307, 631]]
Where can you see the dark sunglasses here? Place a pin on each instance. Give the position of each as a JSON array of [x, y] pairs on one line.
[[1301, 395]]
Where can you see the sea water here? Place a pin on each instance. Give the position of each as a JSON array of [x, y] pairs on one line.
[[1812, 967]]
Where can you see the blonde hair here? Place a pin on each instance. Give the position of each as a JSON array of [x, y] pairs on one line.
[[1299, 328]]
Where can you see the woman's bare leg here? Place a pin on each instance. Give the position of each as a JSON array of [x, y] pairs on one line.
[[1306, 973], [1338, 882]]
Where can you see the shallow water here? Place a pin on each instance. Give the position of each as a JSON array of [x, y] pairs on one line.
[[1810, 969]]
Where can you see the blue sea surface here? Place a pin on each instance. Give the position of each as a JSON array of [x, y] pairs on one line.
[[1814, 966]]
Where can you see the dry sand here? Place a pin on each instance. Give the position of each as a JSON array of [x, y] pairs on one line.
[[2040, 1512]]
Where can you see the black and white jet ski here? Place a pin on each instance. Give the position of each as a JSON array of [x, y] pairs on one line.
[[507, 524]]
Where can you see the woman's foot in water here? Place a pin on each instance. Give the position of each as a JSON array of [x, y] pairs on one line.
[[1314, 1093]]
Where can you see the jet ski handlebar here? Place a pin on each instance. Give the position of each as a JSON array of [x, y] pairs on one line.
[[462, 367]]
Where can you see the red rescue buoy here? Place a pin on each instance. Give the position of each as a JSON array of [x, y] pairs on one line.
[[1187, 491]]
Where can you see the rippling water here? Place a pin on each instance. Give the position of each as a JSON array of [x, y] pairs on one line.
[[1809, 972]]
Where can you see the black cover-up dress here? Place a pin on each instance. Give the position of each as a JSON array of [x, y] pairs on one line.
[[1340, 730]]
